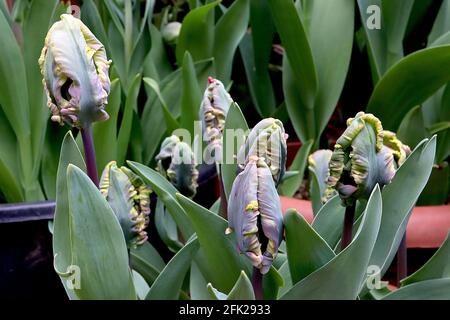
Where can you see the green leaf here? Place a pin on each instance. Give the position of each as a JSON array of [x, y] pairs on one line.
[[167, 194], [329, 220], [437, 267], [217, 247], [399, 197], [255, 50], [123, 140], [342, 277], [96, 241], [228, 34], [62, 247], [167, 228], [168, 285], [386, 44], [401, 90], [197, 284], [437, 189], [300, 82], [142, 287], [289, 187], [441, 24], [147, 261], [9, 169], [412, 128], [319, 172], [191, 95], [242, 290], [306, 250], [272, 282], [171, 123], [235, 123], [437, 289], [196, 34], [105, 133], [91, 18], [330, 30]]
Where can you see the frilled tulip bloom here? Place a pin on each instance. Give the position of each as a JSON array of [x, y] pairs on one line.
[[75, 69], [213, 111], [129, 198], [176, 162], [267, 140], [254, 214], [364, 156]]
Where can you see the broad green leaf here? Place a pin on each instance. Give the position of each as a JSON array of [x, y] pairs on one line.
[[412, 128], [385, 45], [329, 220], [441, 24], [255, 49], [96, 242], [437, 189], [167, 194], [306, 250], [142, 287], [196, 34], [437, 267], [197, 284], [171, 123], [401, 90], [289, 187], [168, 285], [272, 282], [123, 139], [330, 30], [158, 55], [437, 289], [191, 95], [105, 132], [9, 168], [242, 290], [236, 128], [399, 197], [228, 33], [62, 247], [300, 80], [217, 247], [286, 274], [147, 261], [167, 228], [342, 277]]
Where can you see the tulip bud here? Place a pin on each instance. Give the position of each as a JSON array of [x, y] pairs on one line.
[[170, 32], [254, 214], [75, 69], [176, 162], [129, 198], [267, 140], [363, 157], [213, 111]]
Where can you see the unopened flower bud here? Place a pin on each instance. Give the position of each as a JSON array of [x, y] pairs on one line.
[[267, 140], [254, 214], [170, 32], [176, 162], [129, 198], [75, 69]]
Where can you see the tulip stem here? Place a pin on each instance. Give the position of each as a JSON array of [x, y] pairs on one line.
[[257, 282], [348, 226], [402, 260], [89, 153]]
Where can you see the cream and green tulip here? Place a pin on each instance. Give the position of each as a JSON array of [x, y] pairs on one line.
[[267, 140], [176, 162], [75, 69], [364, 156], [129, 198]]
